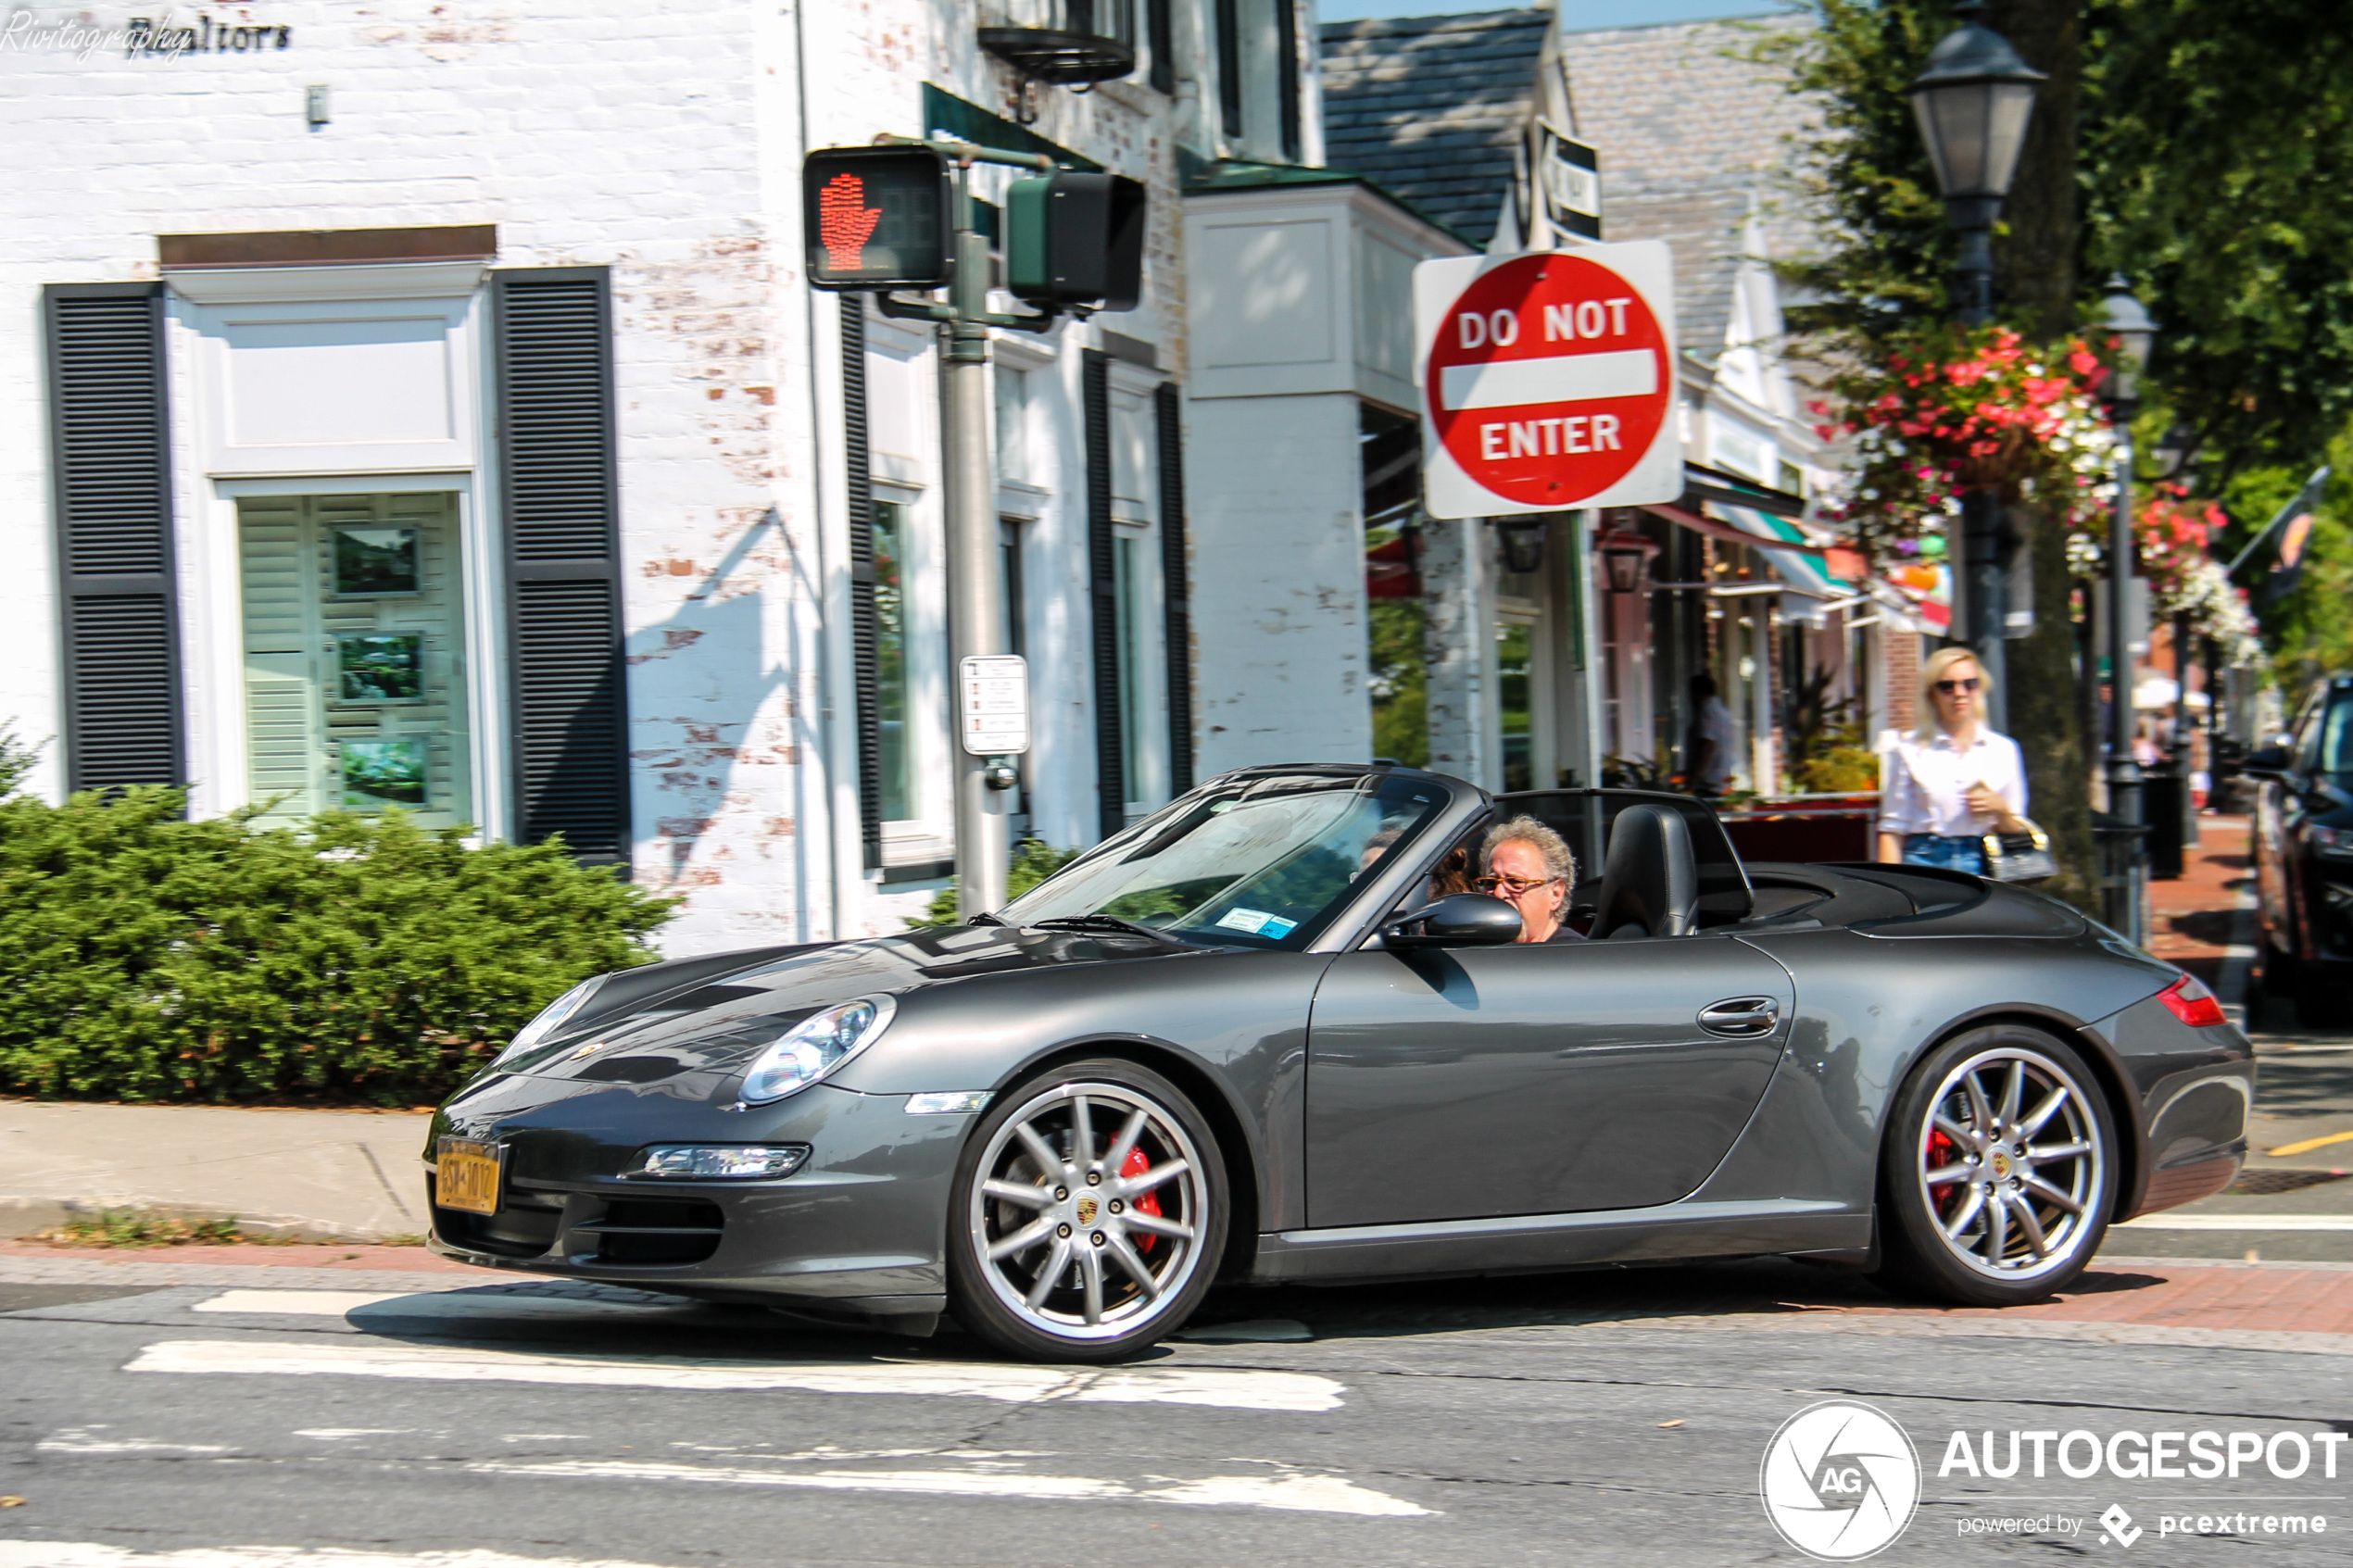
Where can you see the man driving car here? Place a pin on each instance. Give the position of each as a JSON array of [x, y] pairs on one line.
[[1530, 868]]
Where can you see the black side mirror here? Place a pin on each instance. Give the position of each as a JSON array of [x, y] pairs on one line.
[[2266, 761], [1459, 920]]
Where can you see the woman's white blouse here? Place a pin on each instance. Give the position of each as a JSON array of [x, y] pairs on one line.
[[1926, 789]]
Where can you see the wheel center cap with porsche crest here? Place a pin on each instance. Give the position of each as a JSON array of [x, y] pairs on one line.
[[1086, 1211], [2001, 1166]]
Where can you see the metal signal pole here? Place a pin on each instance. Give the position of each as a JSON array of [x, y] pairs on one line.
[[975, 575]]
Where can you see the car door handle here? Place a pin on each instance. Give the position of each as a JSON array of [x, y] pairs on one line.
[[1741, 1015]]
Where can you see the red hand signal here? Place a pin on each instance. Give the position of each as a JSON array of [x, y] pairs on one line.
[[845, 222]]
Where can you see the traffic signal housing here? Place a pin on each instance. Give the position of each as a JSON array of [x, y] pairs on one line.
[[877, 218], [1074, 239]]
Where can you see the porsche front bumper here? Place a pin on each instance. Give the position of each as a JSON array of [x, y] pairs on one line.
[[858, 1229]]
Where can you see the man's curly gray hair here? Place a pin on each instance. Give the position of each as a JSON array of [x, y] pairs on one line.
[[1559, 861]]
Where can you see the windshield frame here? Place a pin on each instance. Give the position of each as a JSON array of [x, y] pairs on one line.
[[1336, 928]]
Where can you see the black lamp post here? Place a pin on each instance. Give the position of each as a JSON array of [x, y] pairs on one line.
[[1972, 101], [2123, 318]]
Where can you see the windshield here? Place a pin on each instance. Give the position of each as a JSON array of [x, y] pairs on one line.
[[2334, 754], [1260, 862]]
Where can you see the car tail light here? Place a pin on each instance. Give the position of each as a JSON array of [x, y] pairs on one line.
[[2189, 1000]]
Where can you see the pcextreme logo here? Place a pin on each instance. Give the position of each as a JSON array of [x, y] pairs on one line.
[[1840, 1481]]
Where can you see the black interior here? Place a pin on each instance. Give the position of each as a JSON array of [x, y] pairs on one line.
[[1650, 886]]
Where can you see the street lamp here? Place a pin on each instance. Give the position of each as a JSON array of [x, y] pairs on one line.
[[2123, 318], [1973, 100], [1626, 554]]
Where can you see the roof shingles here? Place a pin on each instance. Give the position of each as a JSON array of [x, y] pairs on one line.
[[1430, 107]]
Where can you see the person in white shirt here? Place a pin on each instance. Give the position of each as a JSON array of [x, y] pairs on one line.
[[1708, 749], [1952, 781]]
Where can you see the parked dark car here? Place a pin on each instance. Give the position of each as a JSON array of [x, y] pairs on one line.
[[1238, 1042], [2303, 843]]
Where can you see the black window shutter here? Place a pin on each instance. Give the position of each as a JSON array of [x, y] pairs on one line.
[[865, 627], [1287, 70], [1229, 67], [1111, 780], [559, 494], [1167, 405], [1163, 38], [111, 457]]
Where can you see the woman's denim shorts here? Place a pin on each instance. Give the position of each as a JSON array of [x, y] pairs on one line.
[[1953, 854]]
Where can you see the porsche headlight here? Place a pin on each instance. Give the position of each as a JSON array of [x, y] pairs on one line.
[[551, 1018], [815, 1046]]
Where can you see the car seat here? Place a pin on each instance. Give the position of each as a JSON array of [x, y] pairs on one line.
[[1649, 882]]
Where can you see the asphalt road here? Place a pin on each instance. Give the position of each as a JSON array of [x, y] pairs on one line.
[[1617, 1418]]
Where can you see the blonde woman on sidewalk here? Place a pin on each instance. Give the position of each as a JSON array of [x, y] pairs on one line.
[[1952, 781]]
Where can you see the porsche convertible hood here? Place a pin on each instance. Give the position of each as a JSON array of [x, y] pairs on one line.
[[710, 1015]]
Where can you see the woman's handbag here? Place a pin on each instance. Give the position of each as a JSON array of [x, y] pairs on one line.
[[2019, 857]]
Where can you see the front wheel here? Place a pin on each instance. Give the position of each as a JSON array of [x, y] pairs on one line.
[[1089, 1214], [2000, 1170]]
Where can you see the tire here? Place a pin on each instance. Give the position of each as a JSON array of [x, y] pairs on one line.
[[1088, 1215], [1985, 1237]]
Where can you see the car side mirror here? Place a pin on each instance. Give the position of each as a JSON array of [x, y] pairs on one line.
[[1459, 920], [2269, 760]]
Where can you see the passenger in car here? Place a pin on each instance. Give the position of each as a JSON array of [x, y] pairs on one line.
[[1531, 867]]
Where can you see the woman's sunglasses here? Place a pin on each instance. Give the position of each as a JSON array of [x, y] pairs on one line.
[[1949, 687]]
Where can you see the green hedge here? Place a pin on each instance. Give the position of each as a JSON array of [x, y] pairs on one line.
[[359, 958]]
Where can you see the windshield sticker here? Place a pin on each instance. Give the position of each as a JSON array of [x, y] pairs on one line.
[[1252, 921], [1277, 927]]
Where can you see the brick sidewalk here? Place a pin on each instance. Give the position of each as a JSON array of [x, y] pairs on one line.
[[2193, 917]]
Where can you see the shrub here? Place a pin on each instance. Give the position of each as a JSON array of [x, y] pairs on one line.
[[1034, 860], [145, 957]]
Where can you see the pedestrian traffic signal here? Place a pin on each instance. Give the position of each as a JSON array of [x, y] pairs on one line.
[[876, 217], [1076, 239]]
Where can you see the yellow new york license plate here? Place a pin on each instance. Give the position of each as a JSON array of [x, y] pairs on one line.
[[466, 1175]]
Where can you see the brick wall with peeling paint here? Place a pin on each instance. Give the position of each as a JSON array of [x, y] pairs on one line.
[[662, 143]]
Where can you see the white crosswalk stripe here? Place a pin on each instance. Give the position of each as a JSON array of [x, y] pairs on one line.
[[89, 1554], [427, 1304], [1290, 1492], [1227, 1388]]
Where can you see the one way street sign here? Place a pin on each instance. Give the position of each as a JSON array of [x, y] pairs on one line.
[[1548, 381]]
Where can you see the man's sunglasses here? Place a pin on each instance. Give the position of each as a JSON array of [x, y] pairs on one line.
[[1517, 885], [1949, 687]]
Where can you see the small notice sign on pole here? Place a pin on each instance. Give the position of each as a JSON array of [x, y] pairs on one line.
[[992, 705]]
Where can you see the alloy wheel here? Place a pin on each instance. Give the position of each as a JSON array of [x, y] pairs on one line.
[[2010, 1160], [1087, 1214]]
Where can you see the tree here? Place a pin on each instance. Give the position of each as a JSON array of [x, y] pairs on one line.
[[2199, 149], [1884, 275]]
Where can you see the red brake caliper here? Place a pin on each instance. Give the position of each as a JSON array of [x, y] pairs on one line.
[[1941, 1150], [1136, 1165]]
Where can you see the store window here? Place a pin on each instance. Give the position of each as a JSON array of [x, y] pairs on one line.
[[355, 656], [1516, 706], [1012, 424], [890, 657], [1128, 588]]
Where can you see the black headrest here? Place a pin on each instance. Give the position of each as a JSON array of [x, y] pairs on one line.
[[1650, 884]]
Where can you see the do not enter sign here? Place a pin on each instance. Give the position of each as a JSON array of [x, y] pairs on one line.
[[1548, 381]]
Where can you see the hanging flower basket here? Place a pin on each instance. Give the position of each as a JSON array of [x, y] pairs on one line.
[[1957, 409]]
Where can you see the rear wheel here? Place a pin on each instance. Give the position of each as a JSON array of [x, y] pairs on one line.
[[1090, 1212], [2000, 1170]]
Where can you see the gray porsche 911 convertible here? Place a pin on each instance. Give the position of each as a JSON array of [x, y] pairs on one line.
[[1241, 1041]]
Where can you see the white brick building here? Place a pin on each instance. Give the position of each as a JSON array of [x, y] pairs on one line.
[[422, 402]]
